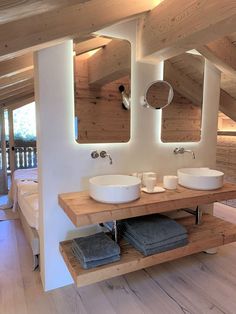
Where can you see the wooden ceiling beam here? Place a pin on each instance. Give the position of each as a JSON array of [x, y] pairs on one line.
[[14, 88], [18, 101], [183, 83], [29, 89], [16, 78], [172, 28], [110, 63], [91, 44], [16, 65], [73, 20], [222, 53], [228, 105], [194, 91]]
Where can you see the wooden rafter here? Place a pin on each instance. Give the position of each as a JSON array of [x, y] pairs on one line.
[[76, 19], [16, 93], [222, 53], [110, 63], [172, 28], [183, 84], [18, 101], [10, 80], [16, 65], [14, 88], [228, 105], [90, 44]]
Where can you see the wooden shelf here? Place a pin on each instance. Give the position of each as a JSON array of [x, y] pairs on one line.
[[83, 210], [213, 232]]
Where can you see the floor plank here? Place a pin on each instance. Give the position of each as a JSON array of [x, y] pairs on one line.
[[198, 284]]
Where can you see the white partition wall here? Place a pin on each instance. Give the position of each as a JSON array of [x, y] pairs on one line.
[[65, 165]]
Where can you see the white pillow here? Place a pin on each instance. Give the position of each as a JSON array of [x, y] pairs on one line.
[[27, 187]]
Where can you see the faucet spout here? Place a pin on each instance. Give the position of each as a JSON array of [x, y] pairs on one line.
[[182, 150], [104, 154], [191, 152]]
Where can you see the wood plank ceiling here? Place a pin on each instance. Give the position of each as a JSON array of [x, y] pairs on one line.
[[166, 30]]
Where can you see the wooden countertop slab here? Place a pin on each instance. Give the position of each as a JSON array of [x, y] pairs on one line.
[[212, 232], [83, 210]]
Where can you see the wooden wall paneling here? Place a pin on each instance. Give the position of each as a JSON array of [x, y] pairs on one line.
[[181, 121], [99, 109], [226, 156]]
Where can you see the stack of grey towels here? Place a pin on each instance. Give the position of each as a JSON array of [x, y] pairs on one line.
[[95, 250], [153, 234]]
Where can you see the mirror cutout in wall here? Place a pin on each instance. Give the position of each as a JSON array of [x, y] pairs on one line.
[[158, 95], [102, 72], [181, 122]]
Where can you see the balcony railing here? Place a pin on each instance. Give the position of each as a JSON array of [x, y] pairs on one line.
[[25, 157]]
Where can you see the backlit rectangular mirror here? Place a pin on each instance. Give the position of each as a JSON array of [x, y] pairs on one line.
[[181, 120], [102, 71]]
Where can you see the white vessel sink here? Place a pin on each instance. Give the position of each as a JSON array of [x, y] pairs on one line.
[[200, 178], [114, 189]]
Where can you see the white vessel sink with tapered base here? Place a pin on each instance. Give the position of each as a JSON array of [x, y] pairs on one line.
[[200, 178], [114, 189]]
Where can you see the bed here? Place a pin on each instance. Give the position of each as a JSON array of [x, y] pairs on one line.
[[23, 197]]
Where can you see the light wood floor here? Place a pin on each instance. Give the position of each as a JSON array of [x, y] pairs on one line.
[[197, 284]]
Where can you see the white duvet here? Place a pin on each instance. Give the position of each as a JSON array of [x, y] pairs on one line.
[[28, 200]]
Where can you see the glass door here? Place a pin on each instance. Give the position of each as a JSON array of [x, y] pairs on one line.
[[24, 137], [3, 155]]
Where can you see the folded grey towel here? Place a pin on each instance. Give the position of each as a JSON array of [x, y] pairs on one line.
[[96, 247], [153, 228], [157, 244], [158, 249], [93, 264]]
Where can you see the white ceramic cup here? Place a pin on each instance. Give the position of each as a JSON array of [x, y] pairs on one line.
[[150, 184], [170, 182], [147, 175]]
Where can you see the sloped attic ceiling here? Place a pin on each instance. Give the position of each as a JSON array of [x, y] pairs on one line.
[[26, 26]]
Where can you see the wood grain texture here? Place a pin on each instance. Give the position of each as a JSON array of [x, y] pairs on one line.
[[101, 116], [16, 65], [110, 63], [228, 104], [196, 284], [75, 19], [170, 28], [211, 233], [222, 53], [20, 100], [91, 44], [83, 210], [181, 121]]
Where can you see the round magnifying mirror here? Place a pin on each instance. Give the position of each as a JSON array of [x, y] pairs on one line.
[[159, 94]]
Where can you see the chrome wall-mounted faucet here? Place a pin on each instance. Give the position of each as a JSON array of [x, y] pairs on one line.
[[104, 154], [95, 154], [182, 150]]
